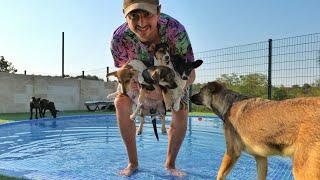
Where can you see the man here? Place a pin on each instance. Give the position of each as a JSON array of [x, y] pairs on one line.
[[145, 25]]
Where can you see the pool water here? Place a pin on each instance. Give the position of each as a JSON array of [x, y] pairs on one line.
[[90, 147]]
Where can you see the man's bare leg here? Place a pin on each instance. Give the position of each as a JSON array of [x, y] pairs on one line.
[[128, 132], [176, 134]]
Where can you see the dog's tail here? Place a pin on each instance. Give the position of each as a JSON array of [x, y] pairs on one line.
[[154, 124]]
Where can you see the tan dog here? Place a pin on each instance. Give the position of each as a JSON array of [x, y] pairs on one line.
[[265, 127]]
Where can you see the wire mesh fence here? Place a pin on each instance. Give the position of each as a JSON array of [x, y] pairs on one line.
[[296, 60], [289, 66]]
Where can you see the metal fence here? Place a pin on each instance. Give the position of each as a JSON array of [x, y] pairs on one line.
[[272, 66]]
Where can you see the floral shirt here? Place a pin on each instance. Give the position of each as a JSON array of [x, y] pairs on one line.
[[126, 46]]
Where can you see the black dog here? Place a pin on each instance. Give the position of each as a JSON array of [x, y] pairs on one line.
[[34, 104], [47, 105]]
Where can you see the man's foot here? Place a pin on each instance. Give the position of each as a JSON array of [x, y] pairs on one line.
[[129, 170], [176, 172]]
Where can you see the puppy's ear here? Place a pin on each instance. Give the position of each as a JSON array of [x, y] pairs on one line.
[[152, 47], [197, 63], [133, 72], [214, 86], [114, 73], [155, 75]]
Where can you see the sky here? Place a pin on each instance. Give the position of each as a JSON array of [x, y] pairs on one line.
[[31, 30]]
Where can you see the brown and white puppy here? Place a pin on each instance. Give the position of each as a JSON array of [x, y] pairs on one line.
[[161, 55], [265, 127], [125, 75]]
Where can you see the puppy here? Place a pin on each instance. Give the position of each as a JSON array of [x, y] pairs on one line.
[[150, 79], [182, 68], [265, 127], [34, 104], [161, 55], [125, 75], [133, 71], [47, 105]]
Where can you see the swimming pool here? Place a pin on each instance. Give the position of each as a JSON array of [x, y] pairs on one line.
[[90, 147]]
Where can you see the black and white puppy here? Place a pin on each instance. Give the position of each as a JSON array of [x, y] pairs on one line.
[[182, 68], [150, 79]]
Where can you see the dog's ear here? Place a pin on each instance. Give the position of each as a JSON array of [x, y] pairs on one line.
[[155, 75], [152, 47], [133, 72], [214, 86], [197, 63], [114, 73]]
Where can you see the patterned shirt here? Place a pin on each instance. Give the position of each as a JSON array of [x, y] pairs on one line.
[[126, 46]]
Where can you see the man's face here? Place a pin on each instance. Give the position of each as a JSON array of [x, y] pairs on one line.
[[143, 24]]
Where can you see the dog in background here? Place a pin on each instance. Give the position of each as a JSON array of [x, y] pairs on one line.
[[266, 127], [47, 105], [34, 104]]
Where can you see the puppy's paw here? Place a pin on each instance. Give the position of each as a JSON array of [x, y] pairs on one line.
[[176, 107], [132, 117], [139, 131], [168, 108]]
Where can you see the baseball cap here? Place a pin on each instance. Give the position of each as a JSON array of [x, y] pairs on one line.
[[147, 5]]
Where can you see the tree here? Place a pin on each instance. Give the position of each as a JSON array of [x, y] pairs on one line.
[[250, 84], [6, 66], [229, 79], [254, 85], [317, 83], [89, 77], [280, 93]]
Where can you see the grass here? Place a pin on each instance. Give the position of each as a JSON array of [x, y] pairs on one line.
[[2, 177]]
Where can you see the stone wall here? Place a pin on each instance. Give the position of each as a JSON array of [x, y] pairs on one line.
[[16, 91]]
